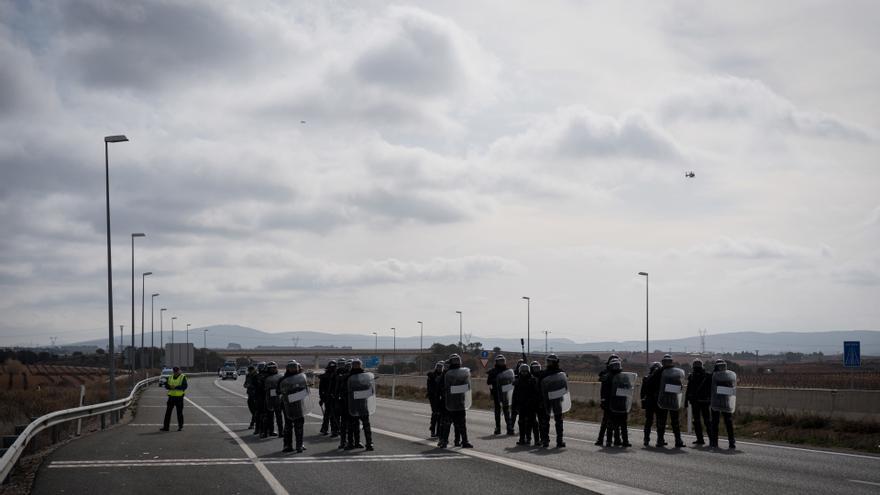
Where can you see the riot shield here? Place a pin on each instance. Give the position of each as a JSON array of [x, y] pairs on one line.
[[504, 386], [622, 386], [723, 391], [670, 396], [294, 396], [361, 394], [554, 388], [457, 387], [272, 391]]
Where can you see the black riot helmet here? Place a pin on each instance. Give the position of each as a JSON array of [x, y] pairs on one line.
[[500, 359], [552, 361], [720, 365], [697, 364], [293, 366], [667, 361], [454, 361], [356, 364], [611, 357], [535, 367], [438, 366], [272, 367], [250, 368], [523, 369], [614, 365], [261, 366], [655, 366], [331, 364]]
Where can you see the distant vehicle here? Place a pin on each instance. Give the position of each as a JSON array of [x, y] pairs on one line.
[[227, 372], [163, 378], [242, 371], [690, 175]]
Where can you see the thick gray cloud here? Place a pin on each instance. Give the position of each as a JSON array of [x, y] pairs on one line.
[[442, 163]]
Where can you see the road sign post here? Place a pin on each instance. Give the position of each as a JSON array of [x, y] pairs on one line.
[[484, 358], [852, 354]]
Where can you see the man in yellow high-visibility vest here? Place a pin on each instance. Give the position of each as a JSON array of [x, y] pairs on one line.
[[176, 386]]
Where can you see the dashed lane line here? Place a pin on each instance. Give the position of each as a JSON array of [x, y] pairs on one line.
[[273, 482], [865, 482]]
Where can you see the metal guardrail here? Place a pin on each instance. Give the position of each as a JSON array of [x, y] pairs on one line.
[[13, 453]]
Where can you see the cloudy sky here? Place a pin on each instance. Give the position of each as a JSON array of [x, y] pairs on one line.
[[352, 166]]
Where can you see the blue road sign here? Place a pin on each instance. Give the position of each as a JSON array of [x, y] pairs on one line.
[[484, 354], [852, 354], [371, 362]]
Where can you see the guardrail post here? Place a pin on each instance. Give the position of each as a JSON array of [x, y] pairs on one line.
[[103, 422]]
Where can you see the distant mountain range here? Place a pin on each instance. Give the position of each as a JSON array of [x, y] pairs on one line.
[[220, 336]]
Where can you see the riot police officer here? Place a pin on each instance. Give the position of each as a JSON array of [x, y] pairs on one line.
[[648, 394], [513, 413], [249, 385], [274, 415], [606, 417], [499, 396], [525, 399], [617, 400], [722, 403], [361, 403], [293, 389], [669, 400], [259, 384], [457, 400], [326, 400], [341, 396], [435, 392], [699, 390], [553, 381], [536, 370]]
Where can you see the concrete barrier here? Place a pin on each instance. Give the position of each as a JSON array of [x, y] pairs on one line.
[[857, 405]]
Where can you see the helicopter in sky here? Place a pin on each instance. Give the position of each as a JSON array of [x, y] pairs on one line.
[[690, 174]]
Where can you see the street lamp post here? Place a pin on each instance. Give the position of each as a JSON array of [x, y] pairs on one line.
[[394, 362], [647, 342], [143, 295], [529, 325], [133, 324], [173, 352], [460, 340], [162, 331], [187, 341], [205, 344], [152, 340], [112, 370], [376, 345], [421, 345]]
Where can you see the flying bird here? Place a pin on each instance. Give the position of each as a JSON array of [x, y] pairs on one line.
[[689, 175]]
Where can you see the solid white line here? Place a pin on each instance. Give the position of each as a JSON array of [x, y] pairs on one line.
[[865, 482], [187, 424], [242, 461], [217, 383], [273, 482], [210, 407]]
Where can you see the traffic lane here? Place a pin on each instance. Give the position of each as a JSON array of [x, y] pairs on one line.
[[414, 468], [753, 467], [124, 457]]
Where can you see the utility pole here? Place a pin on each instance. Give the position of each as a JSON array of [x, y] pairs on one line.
[[546, 332]]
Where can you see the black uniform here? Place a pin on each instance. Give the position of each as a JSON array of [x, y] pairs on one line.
[[526, 400], [448, 418], [330, 420], [616, 420], [495, 392], [648, 393], [340, 394], [354, 428], [250, 387], [555, 407], [605, 427], [716, 417], [292, 426], [699, 391], [673, 416], [274, 415], [259, 381], [434, 393]]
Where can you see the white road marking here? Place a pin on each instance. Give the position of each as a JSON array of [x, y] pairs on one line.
[[188, 424], [273, 482], [865, 482], [209, 407], [247, 461]]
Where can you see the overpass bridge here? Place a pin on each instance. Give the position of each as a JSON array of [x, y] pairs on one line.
[[217, 453]]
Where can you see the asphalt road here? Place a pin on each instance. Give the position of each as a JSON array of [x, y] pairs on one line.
[[216, 452]]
